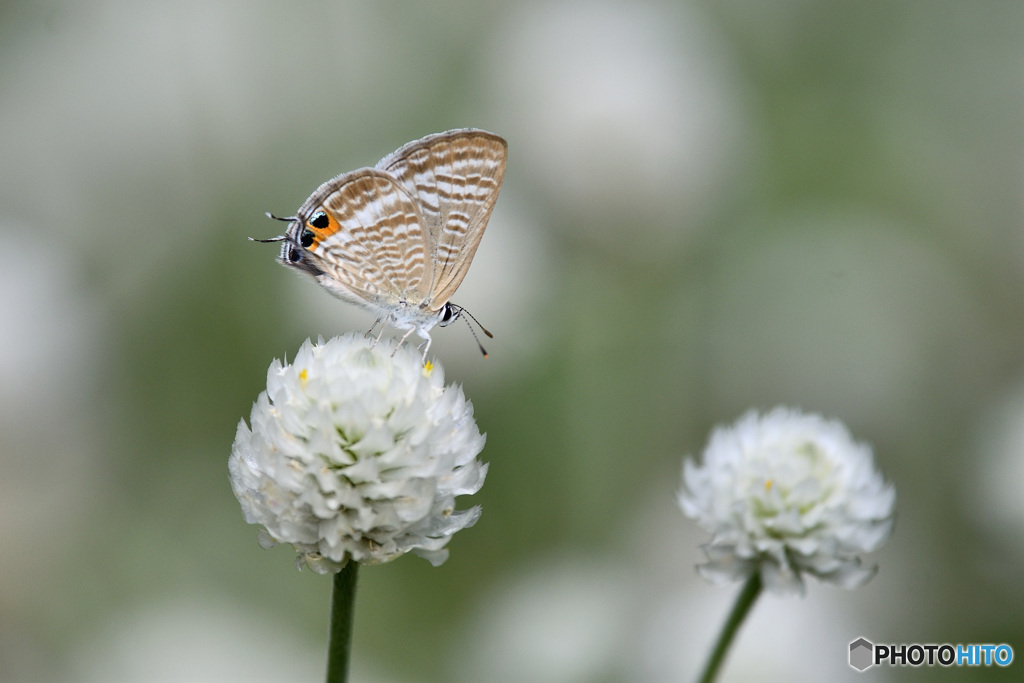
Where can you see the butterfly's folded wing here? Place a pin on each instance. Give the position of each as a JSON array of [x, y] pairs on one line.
[[375, 247], [455, 178]]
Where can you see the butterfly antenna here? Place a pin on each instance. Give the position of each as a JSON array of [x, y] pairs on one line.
[[279, 238], [484, 329], [473, 332], [286, 219]]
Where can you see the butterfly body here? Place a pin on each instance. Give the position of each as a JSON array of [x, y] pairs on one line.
[[397, 239]]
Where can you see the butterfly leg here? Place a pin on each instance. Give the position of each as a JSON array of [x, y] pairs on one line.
[[379, 334], [425, 344], [402, 340]]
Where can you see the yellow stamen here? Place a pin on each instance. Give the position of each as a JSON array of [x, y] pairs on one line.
[[303, 377], [428, 368]]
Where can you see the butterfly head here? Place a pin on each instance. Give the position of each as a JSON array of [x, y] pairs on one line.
[[296, 240], [448, 314]]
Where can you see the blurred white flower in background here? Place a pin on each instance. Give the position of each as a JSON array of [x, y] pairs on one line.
[[787, 494], [356, 452], [197, 636], [51, 327], [995, 472], [623, 115], [560, 619], [52, 472]]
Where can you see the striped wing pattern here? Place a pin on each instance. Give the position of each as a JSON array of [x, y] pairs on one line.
[[375, 244], [454, 178]]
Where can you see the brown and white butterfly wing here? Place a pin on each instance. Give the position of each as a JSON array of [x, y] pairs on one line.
[[370, 243], [455, 178]]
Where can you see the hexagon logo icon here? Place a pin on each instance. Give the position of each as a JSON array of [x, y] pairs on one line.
[[861, 654]]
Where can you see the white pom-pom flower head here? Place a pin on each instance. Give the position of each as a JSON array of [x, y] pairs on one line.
[[787, 494], [356, 451]]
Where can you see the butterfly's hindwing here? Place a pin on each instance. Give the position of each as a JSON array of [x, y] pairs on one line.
[[455, 178]]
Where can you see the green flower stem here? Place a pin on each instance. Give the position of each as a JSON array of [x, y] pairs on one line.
[[339, 641], [746, 599]]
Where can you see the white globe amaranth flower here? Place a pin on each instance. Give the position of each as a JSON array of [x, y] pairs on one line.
[[357, 452], [787, 494]]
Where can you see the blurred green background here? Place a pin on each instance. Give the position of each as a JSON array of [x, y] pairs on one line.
[[709, 207]]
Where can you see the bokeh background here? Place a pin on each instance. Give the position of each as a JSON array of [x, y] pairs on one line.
[[710, 206]]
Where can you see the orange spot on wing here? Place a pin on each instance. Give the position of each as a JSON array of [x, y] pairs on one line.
[[321, 234]]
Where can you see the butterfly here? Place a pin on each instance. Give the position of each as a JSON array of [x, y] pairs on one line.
[[398, 239]]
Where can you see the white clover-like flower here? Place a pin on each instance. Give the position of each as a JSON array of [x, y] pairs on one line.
[[787, 494], [357, 452]]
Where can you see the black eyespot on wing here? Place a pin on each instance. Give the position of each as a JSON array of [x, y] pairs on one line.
[[320, 220], [307, 238], [294, 254]]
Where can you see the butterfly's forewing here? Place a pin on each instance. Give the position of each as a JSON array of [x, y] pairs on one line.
[[374, 247], [455, 178]]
